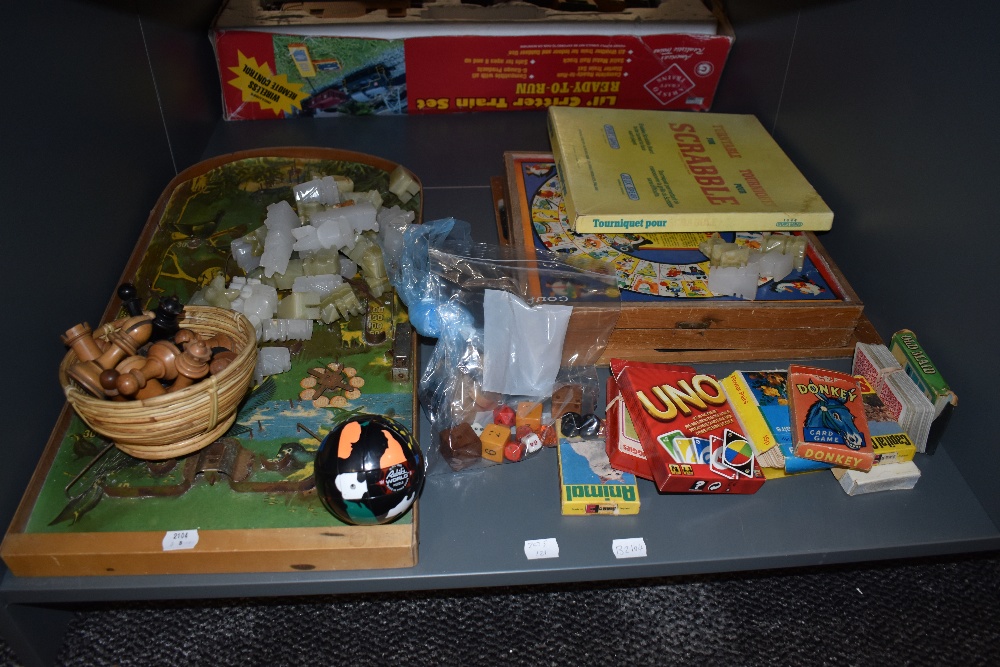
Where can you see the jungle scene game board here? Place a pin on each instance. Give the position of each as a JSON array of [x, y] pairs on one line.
[[249, 495]]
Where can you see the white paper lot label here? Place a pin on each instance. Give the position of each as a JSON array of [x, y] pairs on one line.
[[176, 540], [547, 548], [633, 547]]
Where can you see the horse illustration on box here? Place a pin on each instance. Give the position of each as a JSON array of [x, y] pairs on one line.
[[830, 414]]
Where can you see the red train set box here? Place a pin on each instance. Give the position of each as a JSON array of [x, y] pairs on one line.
[[284, 59]]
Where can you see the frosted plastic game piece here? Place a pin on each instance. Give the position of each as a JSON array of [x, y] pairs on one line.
[[306, 239], [261, 301], [348, 268], [285, 329], [373, 197], [402, 184], [738, 281], [342, 302], [775, 264], [392, 224], [277, 252], [216, 294], [322, 284], [286, 278], [281, 217], [333, 230], [368, 255], [242, 251], [299, 306], [323, 190], [271, 361], [321, 262], [786, 244]]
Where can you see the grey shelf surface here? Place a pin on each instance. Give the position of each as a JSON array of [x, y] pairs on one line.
[[473, 525]]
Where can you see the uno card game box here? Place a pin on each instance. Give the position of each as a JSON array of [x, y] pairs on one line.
[[688, 430]]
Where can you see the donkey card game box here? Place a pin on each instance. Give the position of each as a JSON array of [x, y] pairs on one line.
[[688, 431], [828, 418]]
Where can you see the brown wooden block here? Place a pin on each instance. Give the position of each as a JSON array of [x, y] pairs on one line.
[[567, 398], [460, 446]]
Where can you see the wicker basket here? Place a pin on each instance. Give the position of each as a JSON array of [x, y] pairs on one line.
[[184, 421]]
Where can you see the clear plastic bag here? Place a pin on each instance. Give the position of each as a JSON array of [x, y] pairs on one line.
[[518, 342], [405, 249]]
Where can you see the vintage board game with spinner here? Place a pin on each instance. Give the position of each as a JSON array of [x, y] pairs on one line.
[[247, 501], [667, 312]]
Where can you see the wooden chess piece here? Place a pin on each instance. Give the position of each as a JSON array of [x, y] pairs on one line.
[[222, 346], [81, 340], [109, 378], [185, 336], [192, 364], [221, 341], [220, 361], [160, 364], [150, 390], [216, 342], [124, 342]]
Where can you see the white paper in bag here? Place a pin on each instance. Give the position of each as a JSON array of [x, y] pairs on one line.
[[522, 344]]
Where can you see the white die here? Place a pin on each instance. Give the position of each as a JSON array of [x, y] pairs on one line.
[[532, 443]]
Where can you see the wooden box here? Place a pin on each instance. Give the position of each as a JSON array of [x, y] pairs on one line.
[[665, 315], [249, 497]]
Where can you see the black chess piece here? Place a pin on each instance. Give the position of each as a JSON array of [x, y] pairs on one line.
[[130, 299], [165, 318]]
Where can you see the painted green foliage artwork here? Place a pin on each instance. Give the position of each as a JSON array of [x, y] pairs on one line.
[[259, 475]]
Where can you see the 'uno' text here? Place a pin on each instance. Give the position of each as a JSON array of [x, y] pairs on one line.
[[700, 393]]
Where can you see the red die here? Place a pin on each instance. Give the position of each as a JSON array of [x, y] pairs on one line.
[[513, 451], [549, 437], [522, 431], [504, 415]]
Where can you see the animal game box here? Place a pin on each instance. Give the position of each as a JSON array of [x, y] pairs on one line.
[[589, 484], [687, 428], [828, 418]]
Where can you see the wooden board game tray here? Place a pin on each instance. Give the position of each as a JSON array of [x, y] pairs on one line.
[[248, 498], [667, 313]]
